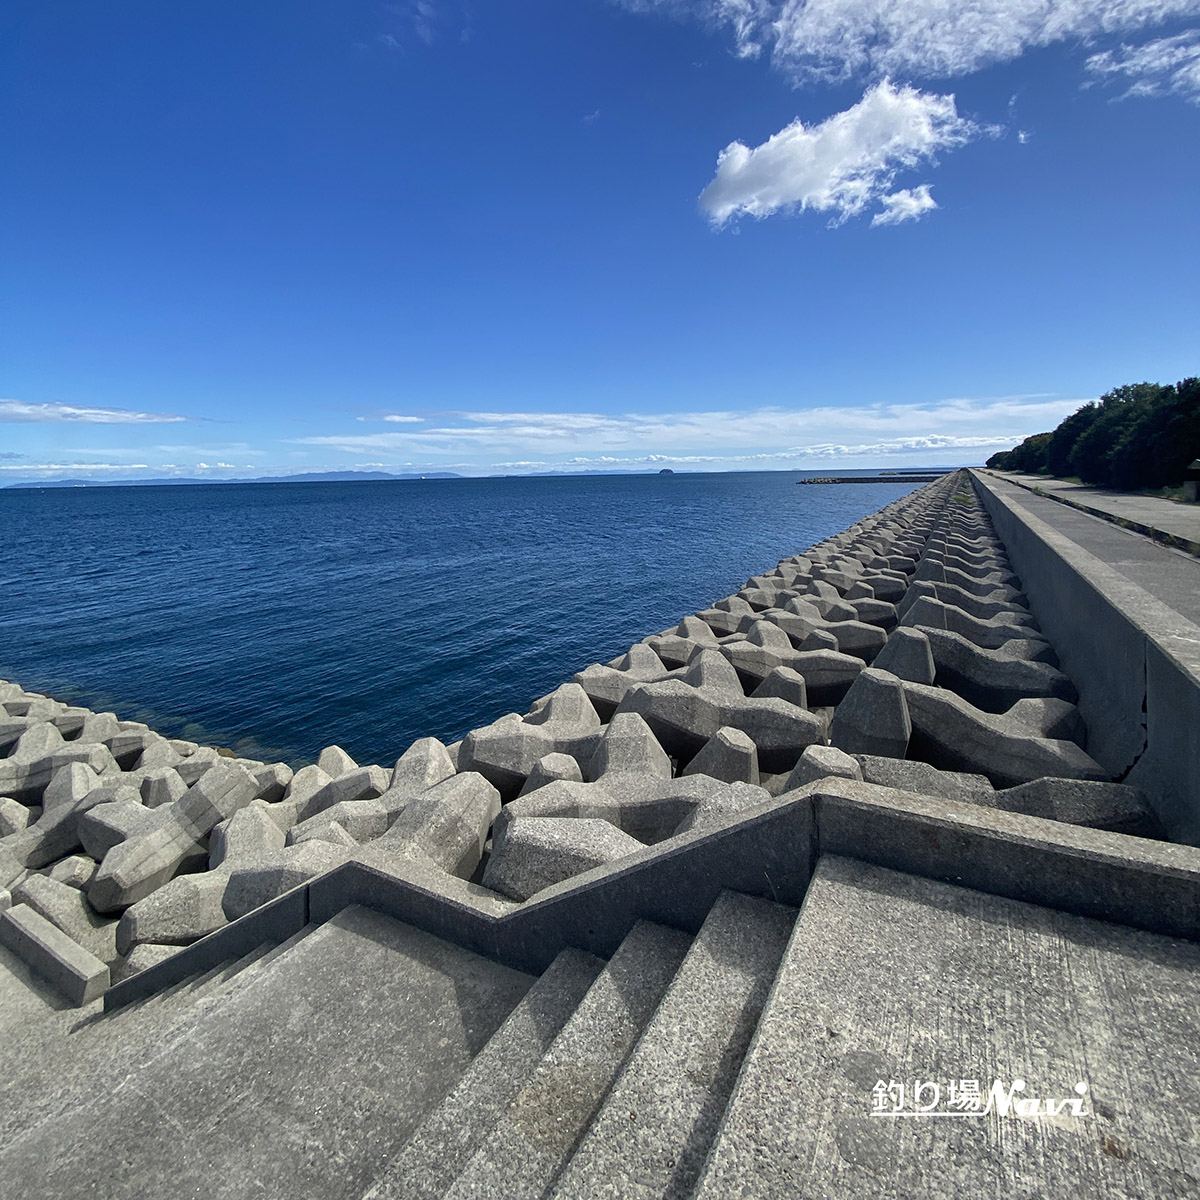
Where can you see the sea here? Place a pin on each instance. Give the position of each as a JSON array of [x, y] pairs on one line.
[[277, 619]]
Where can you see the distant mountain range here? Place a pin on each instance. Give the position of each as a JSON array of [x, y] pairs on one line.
[[308, 477]]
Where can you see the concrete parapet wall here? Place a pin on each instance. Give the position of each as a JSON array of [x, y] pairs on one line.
[[768, 851], [1135, 661]]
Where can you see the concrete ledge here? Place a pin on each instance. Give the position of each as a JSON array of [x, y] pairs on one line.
[[44, 948], [435, 903], [766, 851], [1135, 661], [1150, 885]]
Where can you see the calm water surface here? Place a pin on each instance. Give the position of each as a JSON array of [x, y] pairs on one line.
[[281, 618]]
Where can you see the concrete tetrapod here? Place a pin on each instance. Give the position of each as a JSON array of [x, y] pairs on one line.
[[632, 789], [952, 734], [606, 685], [684, 713], [993, 680], [66, 908], [541, 851], [550, 768], [135, 868], [729, 755], [191, 906], [446, 825], [991, 634], [873, 718], [505, 752]]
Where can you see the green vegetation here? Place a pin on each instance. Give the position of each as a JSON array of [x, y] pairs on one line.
[[1138, 437]]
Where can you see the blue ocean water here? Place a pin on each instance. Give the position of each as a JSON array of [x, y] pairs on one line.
[[281, 618]]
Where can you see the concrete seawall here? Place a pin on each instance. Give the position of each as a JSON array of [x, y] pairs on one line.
[[1135, 661]]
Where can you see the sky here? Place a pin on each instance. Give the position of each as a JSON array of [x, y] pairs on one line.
[[243, 240]]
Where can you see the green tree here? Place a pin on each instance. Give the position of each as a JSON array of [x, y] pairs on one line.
[[1140, 435], [1156, 449], [1029, 456], [1119, 412], [1062, 441]]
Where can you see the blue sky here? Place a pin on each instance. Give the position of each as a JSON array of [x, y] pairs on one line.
[[254, 239]]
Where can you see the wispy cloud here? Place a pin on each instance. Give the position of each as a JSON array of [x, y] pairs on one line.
[[18, 410], [76, 468], [905, 205], [817, 451], [400, 419], [82, 469], [843, 165], [837, 40], [759, 435], [410, 22], [1166, 66]]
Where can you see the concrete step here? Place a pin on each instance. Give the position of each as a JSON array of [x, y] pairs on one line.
[[305, 1080], [179, 996], [895, 978], [445, 1141], [652, 1135], [541, 1128]]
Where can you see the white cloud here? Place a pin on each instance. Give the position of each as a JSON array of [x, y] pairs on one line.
[[1166, 66], [397, 419], [775, 458], [836, 40], [81, 468], [844, 164], [906, 205], [762, 435], [18, 410]]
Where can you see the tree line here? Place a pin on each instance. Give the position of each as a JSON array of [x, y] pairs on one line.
[[1136, 437]]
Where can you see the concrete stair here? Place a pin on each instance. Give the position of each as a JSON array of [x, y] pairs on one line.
[[628, 1094], [297, 1070], [365, 1060], [538, 1132], [69, 1052], [653, 1132]]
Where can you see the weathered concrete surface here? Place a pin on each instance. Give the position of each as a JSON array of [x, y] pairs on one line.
[[1134, 658], [651, 1135], [537, 852], [954, 735], [889, 978], [306, 1081], [445, 1141], [135, 868], [542, 1126]]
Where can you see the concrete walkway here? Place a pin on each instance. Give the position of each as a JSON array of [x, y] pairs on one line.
[[1149, 515], [1171, 576]]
